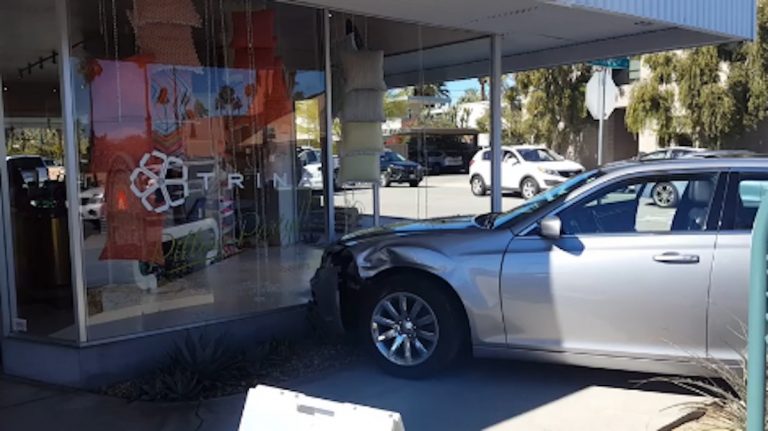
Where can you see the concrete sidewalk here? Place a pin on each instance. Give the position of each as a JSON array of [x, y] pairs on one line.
[[484, 395]]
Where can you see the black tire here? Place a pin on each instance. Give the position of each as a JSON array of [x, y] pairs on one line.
[[413, 183], [529, 188], [478, 186], [665, 195], [451, 327], [384, 179]]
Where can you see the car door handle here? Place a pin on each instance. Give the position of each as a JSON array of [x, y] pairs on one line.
[[676, 258]]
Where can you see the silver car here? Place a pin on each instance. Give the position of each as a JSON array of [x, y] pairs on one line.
[[589, 273]]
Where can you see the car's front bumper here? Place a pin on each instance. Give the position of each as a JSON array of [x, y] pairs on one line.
[[325, 295]]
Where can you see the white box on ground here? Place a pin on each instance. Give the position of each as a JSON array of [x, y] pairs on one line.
[[273, 409]]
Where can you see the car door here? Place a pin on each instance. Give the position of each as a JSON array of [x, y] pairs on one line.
[[730, 272], [626, 277], [510, 170]]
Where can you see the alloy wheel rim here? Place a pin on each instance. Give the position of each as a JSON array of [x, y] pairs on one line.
[[476, 186], [664, 195], [528, 190], [404, 329]]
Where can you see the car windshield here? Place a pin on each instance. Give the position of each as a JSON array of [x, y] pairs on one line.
[[555, 194], [391, 156], [538, 155]]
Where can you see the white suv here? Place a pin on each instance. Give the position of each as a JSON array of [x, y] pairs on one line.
[[524, 168]]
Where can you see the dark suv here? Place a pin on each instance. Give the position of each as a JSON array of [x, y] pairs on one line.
[[396, 169]]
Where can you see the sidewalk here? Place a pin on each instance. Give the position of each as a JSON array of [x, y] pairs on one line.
[[485, 395], [32, 407]]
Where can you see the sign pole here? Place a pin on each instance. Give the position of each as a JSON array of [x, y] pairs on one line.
[[756, 324], [603, 77]]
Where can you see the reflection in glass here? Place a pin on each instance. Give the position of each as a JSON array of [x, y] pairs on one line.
[[201, 192]]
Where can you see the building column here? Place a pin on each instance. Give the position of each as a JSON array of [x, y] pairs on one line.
[[72, 169], [496, 78]]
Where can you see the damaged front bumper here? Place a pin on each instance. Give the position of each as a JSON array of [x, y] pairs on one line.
[[325, 294]]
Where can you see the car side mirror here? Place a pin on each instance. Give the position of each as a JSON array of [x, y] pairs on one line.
[[551, 227]]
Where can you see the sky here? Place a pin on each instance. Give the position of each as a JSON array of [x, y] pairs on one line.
[[458, 88]]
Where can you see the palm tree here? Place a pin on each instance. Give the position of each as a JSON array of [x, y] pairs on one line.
[[484, 81], [437, 89]]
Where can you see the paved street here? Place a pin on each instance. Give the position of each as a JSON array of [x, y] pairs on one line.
[[437, 196]]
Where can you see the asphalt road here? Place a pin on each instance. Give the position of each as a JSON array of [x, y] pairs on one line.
[[436, 196]]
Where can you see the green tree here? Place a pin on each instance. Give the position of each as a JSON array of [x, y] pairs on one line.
[[706, 104], [470, 95], [554, 107], [437, 89], [396, 104], [704, 95], [652, 102]]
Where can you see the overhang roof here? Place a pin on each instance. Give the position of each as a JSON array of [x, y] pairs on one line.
[[541, 33]]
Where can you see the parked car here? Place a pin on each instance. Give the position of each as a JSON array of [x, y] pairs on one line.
[[524, 168], [396, 169], [441, 162], [588, 273], [668, 153], [310, 161], [92, 204], [32, 168]]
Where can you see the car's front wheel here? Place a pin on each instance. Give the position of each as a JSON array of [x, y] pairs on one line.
[[415, 327], [384, 179], [529, 188]]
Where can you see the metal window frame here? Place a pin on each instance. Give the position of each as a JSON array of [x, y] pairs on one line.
[[496, 77], [327, 165], [72, 168], [8, 288]]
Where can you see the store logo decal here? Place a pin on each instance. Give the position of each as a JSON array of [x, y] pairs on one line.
[[145, 182]]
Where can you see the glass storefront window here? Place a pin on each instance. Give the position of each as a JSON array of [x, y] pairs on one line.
[[431, 123], [41, 299], [199, 127]]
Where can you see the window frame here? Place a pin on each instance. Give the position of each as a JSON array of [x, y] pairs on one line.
[[713, 218]]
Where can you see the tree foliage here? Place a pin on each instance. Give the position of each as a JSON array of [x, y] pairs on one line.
[[554, 104], [704, 95]]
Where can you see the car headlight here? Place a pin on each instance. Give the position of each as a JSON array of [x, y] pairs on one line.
[[549, 171]]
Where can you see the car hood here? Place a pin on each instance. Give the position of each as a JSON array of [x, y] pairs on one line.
[[414, 227], [560, 165]]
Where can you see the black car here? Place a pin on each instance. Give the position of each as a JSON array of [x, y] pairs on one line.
[[396, 169]]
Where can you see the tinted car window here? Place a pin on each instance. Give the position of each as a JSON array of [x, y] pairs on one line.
[[744, 194], [630, 208], [537, 155]]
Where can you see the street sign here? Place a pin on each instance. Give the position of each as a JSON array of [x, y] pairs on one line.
[[595, 94], [612, 63]]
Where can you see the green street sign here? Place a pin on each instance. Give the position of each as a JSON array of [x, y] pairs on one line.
[[612, 63]]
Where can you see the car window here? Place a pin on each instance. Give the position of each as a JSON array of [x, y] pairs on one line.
[[538, 155], [504, 155], [680, 153], [652, 205], [656, 155], [743, 199]]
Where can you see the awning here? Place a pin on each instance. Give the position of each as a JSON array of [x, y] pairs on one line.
[[541, 33]]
